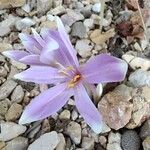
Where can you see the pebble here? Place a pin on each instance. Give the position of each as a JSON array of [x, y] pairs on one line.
[[24, 23], [13, 3], [146, 143], [13, 71], [84, 48], [47, 141], [7, 128], [96, 7], [17, 95], [3, 72], [6, 88], [3, 107], [137, 62], [89, 23], [74, 132], [58, 11], [105, 128], [141, 105], [65, 114], [145, 130], [87, 143], [79, 30], [13, 112], [130, 140], [2, 145], [44, 5], [114, 140], [116, 107], [5, 46], [74, 115], [62, 143], [140, 78], [18, 65], [18, 143], [5, 25]]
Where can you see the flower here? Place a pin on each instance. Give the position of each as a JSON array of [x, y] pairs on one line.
[[53, 60]]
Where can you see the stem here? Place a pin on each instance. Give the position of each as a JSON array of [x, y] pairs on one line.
[[102, 13]]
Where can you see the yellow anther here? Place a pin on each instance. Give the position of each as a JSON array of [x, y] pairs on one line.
[[74, 81]]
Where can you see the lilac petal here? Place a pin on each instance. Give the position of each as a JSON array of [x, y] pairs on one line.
[[38, 37], [48, 53], [46, 104], [70, 50], [15, 54], [33, 60], [30, 43], [87, 109], [41, 74], [104, 68]]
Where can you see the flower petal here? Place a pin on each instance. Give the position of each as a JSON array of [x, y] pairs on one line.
[[15, 54], [46, 104], [87, 109], [32, 60], [104, 68], [41, 74], [70, 50], [30, 43]]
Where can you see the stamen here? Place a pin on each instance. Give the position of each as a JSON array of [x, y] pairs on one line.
[[74, 81]]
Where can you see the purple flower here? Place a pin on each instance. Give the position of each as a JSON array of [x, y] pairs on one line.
[[53, 60]]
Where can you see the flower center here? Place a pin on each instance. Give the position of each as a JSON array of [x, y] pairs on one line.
[[74, 81]]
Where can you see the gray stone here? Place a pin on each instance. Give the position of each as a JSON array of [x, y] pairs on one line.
[[18, 143], [58, 11], [10, 130], [140, 78], [145, 130], [3, 107], [96, 7], [3, 72], [62, 143], [74, 131], [47, 141], [13, 112], [87, 143], [17, 95], [130, 140], [146, 143], [6, 88], [44, 5], [78, 30], [65, 115]]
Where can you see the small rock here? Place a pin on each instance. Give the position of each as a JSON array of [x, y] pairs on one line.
[[5, 26], [87, 143], [145, 130], [6, 88], [130, 140], [84, 48], [96, 7], [78, 30], [5, 46], [116, 107], [58, 11], [146, 143], [140, 78], [89, 23], [47, 141], [3, 107], [2, 145], [103, 141], [13, 71], [3, 72], [105, 128], [13, 3], [62, 144], [24, 23], [141, 105], [18, 65], [114, 140], [10, 130], [17, 95], [44, 5], [74, 115], [137, 62], [14, 112], [19, 143], [65, 115], [74, 131]]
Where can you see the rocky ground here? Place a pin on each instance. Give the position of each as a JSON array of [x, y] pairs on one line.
[[125, 106]]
